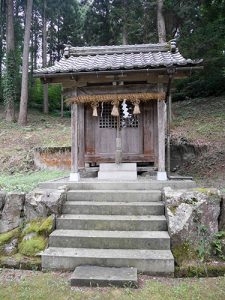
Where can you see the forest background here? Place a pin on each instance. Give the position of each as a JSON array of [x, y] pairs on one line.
[[197, 25]]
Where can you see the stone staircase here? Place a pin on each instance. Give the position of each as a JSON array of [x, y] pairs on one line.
[[120, 227]]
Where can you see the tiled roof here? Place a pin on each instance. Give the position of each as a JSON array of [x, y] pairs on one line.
[[106, 58]]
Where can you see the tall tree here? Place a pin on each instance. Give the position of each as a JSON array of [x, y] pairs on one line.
[[161, 22], [1, 42], [10, 85], [25, 68], [44, 55], [125, 33]]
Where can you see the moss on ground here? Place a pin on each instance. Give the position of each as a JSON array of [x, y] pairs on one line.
[[8, 236], [32, 246], [19, 261], [200, 269], [28, 246], [47, 225], [183, 252], [40, 226]]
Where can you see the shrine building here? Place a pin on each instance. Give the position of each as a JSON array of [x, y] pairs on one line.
[[120, 99]]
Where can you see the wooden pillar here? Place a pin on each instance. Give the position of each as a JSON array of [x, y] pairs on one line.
[[161, 112], [81, 140], [74, 175], [168, 132]]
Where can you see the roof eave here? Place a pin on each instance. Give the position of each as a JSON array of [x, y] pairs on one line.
[[116, 72]]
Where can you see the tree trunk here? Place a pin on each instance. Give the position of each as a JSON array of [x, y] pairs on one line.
[[1, 45], [124, 32], [161, 22], [24, 85], [10, 65], [44, 58]]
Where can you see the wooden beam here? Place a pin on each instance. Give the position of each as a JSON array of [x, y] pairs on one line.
[[118, 89]]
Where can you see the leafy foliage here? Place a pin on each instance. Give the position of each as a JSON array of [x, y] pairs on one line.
[[36, 95], [217, 244], [9, 79]]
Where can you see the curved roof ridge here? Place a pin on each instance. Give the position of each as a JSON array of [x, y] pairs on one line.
[[101, 50]]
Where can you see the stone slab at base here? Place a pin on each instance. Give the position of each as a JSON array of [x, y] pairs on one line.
[[102, 276], [74, 177], [124, 171], [162, 176]]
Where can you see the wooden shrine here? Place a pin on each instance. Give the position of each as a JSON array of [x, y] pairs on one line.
[[118, 97]]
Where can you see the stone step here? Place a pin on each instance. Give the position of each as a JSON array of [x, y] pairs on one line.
[[117, 172], [110, 239], [114, 195], [94, 276], [152, 262], [108, 222], [150, 184], [113, 208]]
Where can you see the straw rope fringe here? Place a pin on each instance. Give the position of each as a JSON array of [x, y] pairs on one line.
[[116, 97]]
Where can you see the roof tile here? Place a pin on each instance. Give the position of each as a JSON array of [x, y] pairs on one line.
[[149, 56]]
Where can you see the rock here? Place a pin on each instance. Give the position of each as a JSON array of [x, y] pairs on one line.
[[192, 216], [54, 201], [34, 207], [42, 203], [12, 211], [11, 248], [2, 199], [222, 214]]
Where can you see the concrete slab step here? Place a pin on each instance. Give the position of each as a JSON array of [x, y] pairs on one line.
[[93, 276], [150, 184], [108, 222], [110, 239], [113, 208], [114, 195], [152, 262]]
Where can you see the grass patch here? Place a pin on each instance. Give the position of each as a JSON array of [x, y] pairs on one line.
[[55, 286], [28, 181]]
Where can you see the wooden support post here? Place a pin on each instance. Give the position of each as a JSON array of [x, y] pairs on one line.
[[74, 175], [161, 111], [81, 141], [168, 133]]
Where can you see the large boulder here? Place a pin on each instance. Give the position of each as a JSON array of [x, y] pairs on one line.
[[192, 218], [12, 212], [43, 203]]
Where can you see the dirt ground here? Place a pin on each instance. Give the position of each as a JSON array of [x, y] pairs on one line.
[[17, 142]]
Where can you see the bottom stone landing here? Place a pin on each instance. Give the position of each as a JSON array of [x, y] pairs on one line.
[[119, 228]]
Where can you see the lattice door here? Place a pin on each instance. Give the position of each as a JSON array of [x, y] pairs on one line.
[[106, 120]]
